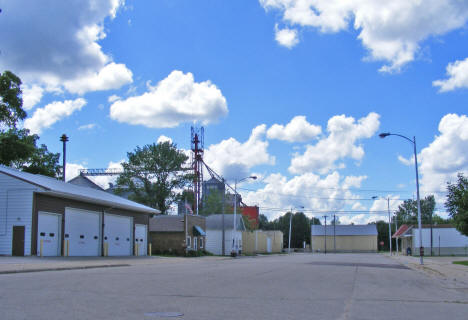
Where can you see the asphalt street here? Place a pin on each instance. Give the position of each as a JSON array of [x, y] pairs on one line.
[[297, 286]]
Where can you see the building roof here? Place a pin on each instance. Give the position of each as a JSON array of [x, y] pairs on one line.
[[53, 187], [345, 230], [401, 231], [165, 223], [404, 229], [81, 180], [215, 222]]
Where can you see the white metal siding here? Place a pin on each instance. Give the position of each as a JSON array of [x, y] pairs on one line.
[[449, 237], [16, 205], [214, 241]]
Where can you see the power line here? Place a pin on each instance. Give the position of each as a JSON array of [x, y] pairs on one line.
[[318, 198]]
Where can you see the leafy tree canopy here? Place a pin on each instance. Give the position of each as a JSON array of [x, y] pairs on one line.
[[17, 146], [300, 227], [457, 203], [153, 174], [407, 212], [11, 103]]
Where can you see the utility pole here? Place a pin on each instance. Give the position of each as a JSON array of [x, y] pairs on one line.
[[389, 226], [334, 233], [64, 139], [290, 223], [325, 234], [396, 228], [431, 234], [223, 210]]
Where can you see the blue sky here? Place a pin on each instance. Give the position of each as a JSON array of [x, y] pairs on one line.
[[293, 91]]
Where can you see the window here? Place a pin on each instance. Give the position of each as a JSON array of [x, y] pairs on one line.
[[194, 243], [188, 241], [201, 243]]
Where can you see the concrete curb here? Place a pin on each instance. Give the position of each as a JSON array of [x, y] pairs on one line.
[[63, 268]]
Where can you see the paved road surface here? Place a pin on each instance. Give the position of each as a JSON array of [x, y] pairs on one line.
[[299, 286]]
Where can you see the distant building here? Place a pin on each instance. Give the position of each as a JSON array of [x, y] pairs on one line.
[[446, 240], [175, 234], [212, 185], [214, 233], [344, 238], [84, 181], [251, 213]]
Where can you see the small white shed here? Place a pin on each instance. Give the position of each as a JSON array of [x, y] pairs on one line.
[[214, 233]]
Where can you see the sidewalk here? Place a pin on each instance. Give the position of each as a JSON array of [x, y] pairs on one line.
[[10, 265], [439, 267]]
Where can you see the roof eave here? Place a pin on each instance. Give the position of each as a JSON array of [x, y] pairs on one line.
[[109, 204]]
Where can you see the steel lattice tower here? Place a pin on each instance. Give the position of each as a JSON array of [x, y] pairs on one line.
[[197, 145]]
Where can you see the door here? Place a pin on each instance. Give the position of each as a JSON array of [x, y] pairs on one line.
[[48, 230], [118, 235], [140, 238], [18, 241], [195, 243], [82, 230], [268, 245]]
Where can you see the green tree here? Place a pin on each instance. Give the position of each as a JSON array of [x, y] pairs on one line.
[[153, 173], [17, 146], [11, 103], [457, 203], [300, 226], [407, 212]]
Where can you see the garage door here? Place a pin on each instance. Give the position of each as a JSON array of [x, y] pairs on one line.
[[82, 230], [140, 238], [118, 235], [48, 230]]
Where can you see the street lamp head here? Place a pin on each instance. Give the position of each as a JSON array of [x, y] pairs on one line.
[[64, 138], [384, 134], [374, 197], [253, 177]]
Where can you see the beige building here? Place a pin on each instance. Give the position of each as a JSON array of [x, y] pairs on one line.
[[344, 238], [262, 242]]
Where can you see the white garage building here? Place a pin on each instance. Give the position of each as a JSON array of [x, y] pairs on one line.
[[42, 215]]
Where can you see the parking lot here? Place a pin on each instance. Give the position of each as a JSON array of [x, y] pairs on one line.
[[297, 286]]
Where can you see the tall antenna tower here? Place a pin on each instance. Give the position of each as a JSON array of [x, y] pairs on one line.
[[198, 146]]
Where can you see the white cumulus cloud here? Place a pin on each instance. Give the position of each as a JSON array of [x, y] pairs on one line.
[[391, 30], [45, 117], [445, 157], [55, 45], [31, 96], [344, 133], [163, 138], [111, 76], [457, 73], [309, 190], [88, 126], [174, 100], [297, 130], [286, 37], [233, 159]]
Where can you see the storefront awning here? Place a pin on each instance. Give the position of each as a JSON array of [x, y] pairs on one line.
[[198, 231]]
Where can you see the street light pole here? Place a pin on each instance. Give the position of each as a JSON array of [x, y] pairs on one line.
[[290, 227], [389, 225], [64, 140], [421, 248]]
